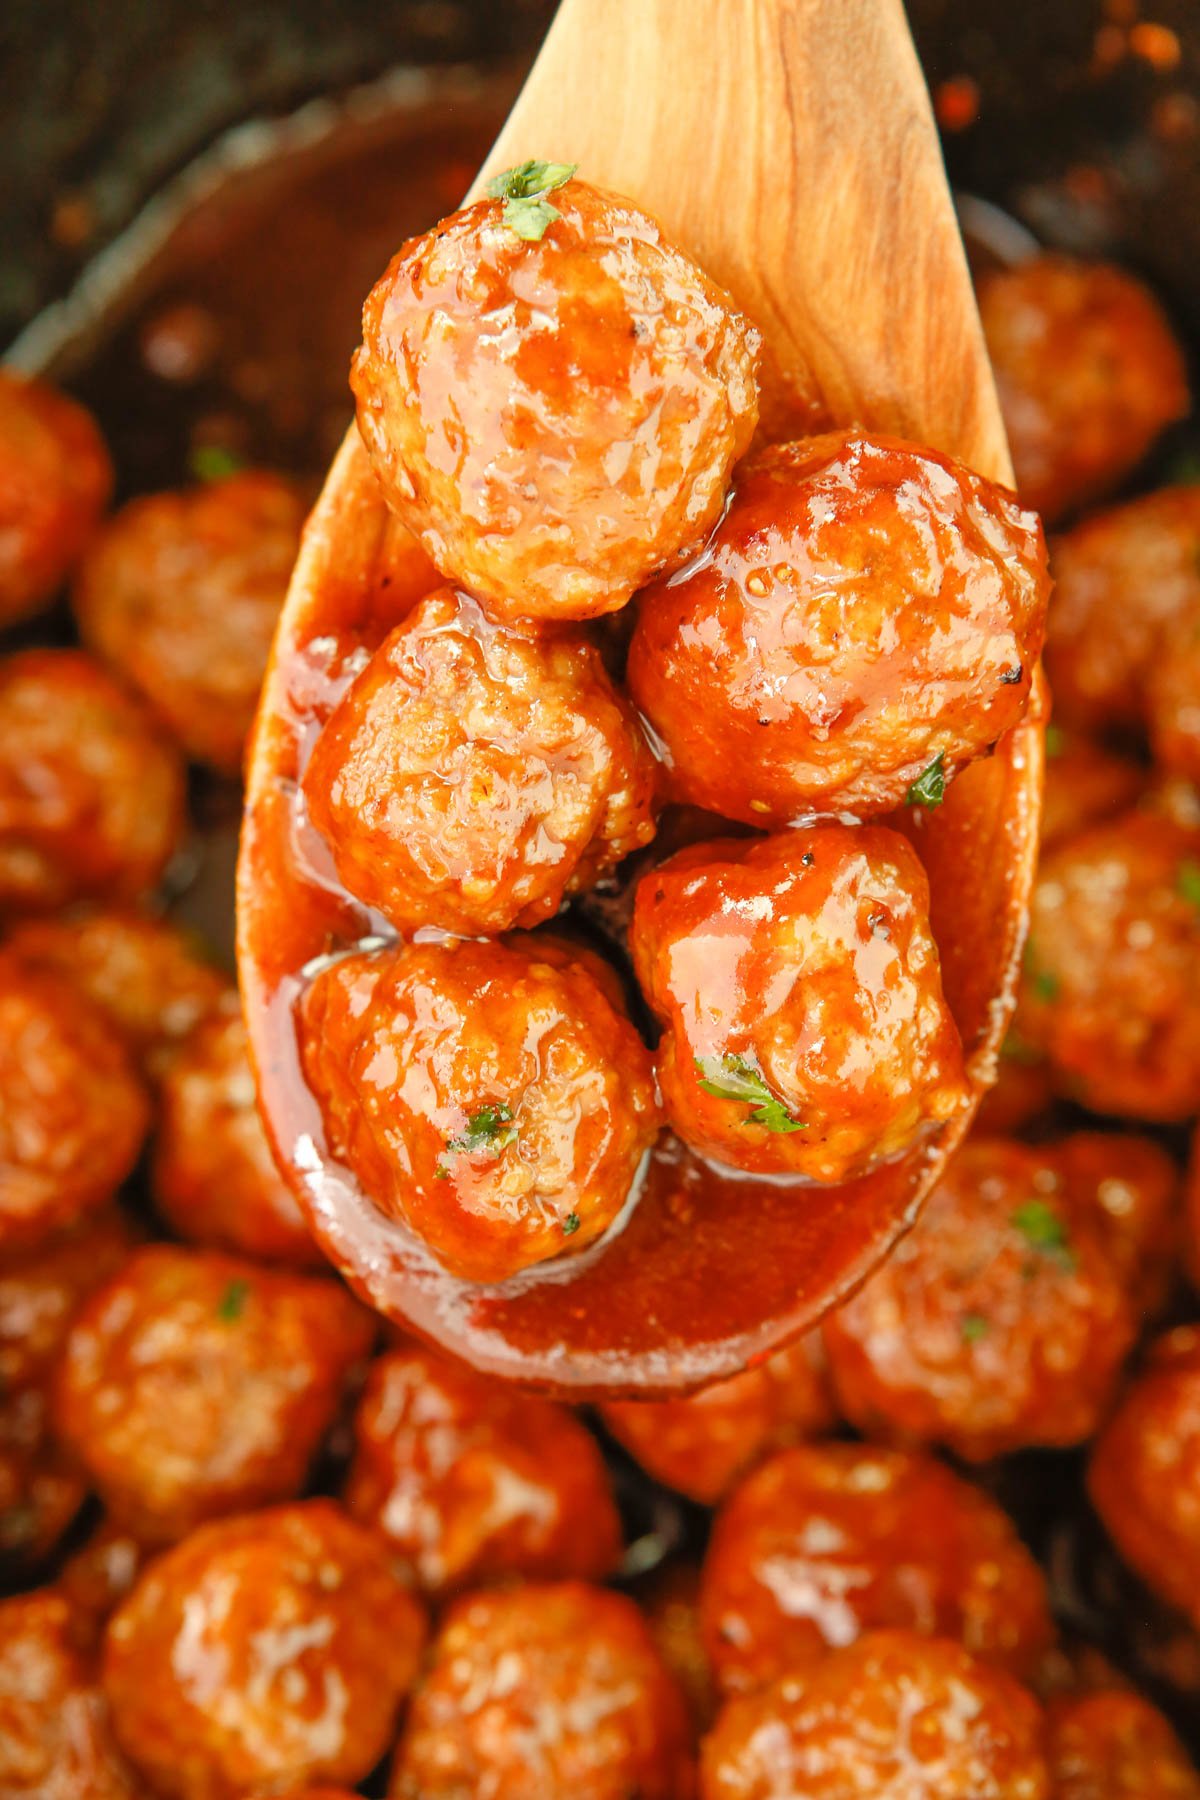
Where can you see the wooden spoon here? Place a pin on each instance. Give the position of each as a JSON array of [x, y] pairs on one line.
[[789, 146]]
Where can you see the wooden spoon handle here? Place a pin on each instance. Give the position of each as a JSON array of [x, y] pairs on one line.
[[790, 147]]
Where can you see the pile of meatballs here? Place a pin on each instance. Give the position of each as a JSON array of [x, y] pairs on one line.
[[258, 1542]]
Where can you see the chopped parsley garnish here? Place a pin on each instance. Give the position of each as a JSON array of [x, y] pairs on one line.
[[1044, 1231], [731, 1077], [490, 1129], [570, 1225], [929, 789], [973, 1327], [214, 462], [1187, 882], [1056, 741], [232, 1303], [523, 190]]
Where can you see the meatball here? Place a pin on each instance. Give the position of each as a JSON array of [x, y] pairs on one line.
[[1116, 1746], [55, 481], [1111, 987], [1021, 1091], [1173, 698], [193, 1385], [470, 1479], [1129, 1187], [472, 777], [551, 1690], [1144, 1476], [554, 419], [999, 1323], [799, 987], [73, 1113], [213, 1176], [55, 1740], [146, 974], [1084, 784], [867, 614], [262, 1652], [671, 1605], [703, 1444], [96, 1578], [91, 796], [181, 593], [41, 1490], [827, 1541], [41, 1290], [1088, 374], [895, 1714], [492, 1098], [1122, 580]]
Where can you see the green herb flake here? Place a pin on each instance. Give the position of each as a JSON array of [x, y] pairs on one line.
[[232, 1303], [1014, 1049], [523, 190], [1044, 1231], [214, 462], [570, 1225], [1187, 882], [929, 789], [1044, 982], [974, 1327], [732, 1077], [491, 1129], [1056, 741]]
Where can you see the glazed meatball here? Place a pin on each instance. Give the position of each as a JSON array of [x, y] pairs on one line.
[[181, 593], [1121, 580], [1173, 698], [1129, 1187], [1111, 986], [193, 1385], [1021, 1091], [91, 796], [73, 1113], [1000, 1322], [703, 1444], [41, 1290], [671, 1607], [41, 1490], [470, 1479], [551, 1690], [261, 1653], [827, 1541], [55, 1740], [895, 1714], [799, 987], [213, 1176], [472, 777], [1116, 1746], [1084, 784], [556, 419], [1144, 1477], [1088, 374], [492, 1098], [55, 481], [96, 1577], [146, 974], [867, 613]]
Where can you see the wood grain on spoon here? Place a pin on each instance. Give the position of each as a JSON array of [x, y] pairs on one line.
[[789, 146]]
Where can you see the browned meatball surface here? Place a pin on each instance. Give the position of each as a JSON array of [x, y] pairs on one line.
[[55, 1739], [999, 1323], [866, 612], [91, 794], [194, 1384], [262, 1653], [551, 1690], [1144, 1477], [1122, 580], [42, 1288], [1116, 1746], [1129, 1187], [73, 1113], [554, 419], [894, 1715], [1111, 986], [470, 1479], [702, 1444], [799, 986], [471, 777], [97, 1576], [827, 1541], [1088, 373], [55, 480], [490, 1096], [1173, 698], [181, 593], [213, 1176], [150, 978]]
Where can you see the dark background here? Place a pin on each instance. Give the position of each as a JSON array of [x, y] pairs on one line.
[[1087, 111]]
